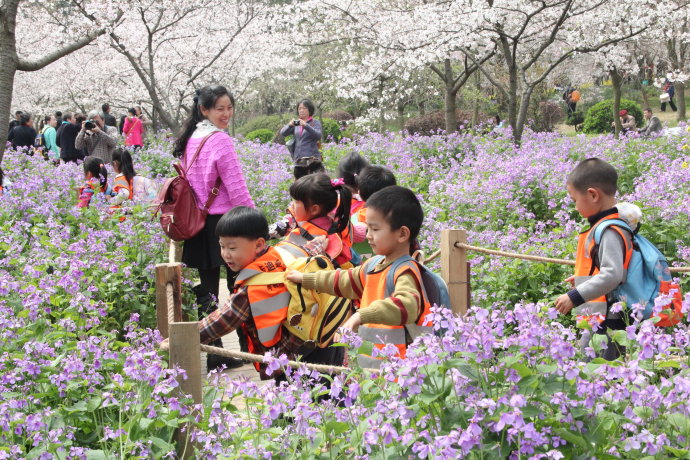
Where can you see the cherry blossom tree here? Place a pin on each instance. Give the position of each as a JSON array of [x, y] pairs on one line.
[[23, 43], [533, 38]]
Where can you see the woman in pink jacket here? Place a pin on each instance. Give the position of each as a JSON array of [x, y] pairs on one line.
[[133, 130], [211, 112]]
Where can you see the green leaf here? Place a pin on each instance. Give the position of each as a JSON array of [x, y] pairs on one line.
[[94, 403], [572, 437], [670, 363], [522, 370], [96, 455], [336, 427], [680, 422], [679, 453], [643, 412]]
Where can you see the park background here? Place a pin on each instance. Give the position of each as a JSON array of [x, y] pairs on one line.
[[80, 372]]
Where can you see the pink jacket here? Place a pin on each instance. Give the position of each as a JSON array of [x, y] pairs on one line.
[[133, 130], [217, 158]]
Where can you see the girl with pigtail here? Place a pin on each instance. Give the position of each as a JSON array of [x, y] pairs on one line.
[[208, 155], [321, 212], [96, 177]]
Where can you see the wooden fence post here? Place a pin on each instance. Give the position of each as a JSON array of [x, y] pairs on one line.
[[174, 252], [168, 273], [185, 354], [454, 269]]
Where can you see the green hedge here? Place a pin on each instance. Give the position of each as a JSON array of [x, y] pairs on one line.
[[600, 116], [263, 135], [331, 130]]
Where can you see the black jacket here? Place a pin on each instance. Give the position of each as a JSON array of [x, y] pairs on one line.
[[68, 134], [22, 136]]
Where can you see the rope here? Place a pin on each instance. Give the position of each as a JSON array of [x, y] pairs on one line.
[[432, 257], [171, 303], [513, 255], [321, 368]]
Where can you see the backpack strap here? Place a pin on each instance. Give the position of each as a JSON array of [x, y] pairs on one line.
[[198, 150], [265, 279], [390, 278], [599, 229]]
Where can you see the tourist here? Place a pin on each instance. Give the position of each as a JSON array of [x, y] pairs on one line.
[[307, 133], [97, 138], [204, 136], [133, 130], [23, 135], [653, 124]]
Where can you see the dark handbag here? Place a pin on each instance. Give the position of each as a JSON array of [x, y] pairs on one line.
[[181, 218], [291, 146]]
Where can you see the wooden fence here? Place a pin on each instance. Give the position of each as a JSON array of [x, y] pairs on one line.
[[183, 336]]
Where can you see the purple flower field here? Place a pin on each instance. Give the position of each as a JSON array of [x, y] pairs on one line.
[[80, 375]]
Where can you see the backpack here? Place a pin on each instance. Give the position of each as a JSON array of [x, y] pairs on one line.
[[145, 190], [312, 316], [40, 140], [433, 286], [181, 218], [648, 276], [575, 96]]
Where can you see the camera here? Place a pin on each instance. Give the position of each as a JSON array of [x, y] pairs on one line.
[[89, 125], [295, 122]]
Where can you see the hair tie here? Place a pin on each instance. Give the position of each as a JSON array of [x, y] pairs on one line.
[[337, 182]]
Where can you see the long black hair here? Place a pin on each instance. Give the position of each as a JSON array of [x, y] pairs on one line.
[[349, 168], [205, 97], [318, 189], [124, 160], [96, 167]]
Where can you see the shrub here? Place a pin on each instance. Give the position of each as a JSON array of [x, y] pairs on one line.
[[263, 135], [575, 118], [271, 122], [339, 115], [599, 116], [546, 116], [331, 130]]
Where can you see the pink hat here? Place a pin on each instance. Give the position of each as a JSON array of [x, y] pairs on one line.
[[623, 113]]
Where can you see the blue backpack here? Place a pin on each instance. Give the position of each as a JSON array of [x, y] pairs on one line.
[[435, 289], [648, 274]]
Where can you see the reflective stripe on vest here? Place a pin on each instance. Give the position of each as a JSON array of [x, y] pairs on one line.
[[381, 334], [585, 268], [268, 304], [121, 182]]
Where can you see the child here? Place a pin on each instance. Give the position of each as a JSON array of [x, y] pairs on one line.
[[123, 188], [370, 180], [258, 310], [314, 197], [96, 177], [394, 219], [349, 168], [592, 186]]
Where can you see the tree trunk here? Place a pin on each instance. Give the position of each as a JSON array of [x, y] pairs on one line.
[[477, 101], [451, 98], [680, 100], [7, 71], [401, 115], [8, 66], [521, 116], [617, 82]]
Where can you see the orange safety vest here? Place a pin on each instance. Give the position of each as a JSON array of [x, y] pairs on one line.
[[585, 268], [338, 248], [356, 205], [268, 304], [381, 334], [121, 182]]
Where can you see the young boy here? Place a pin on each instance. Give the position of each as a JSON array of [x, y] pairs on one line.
[[370, 180], [592, 186], [259, 310], [394, 218]]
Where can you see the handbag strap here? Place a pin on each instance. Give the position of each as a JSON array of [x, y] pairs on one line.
[[212, 196], [198, 149], [134, 124]]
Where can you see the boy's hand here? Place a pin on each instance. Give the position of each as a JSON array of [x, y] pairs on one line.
[[571, 280], [295, 276], [564, 304], [352, 324]]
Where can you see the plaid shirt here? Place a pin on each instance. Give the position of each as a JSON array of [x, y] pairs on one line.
[[237, 312]]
